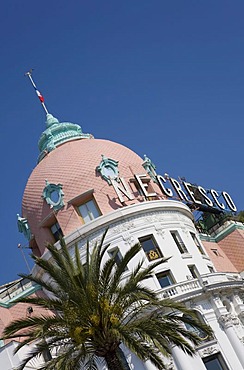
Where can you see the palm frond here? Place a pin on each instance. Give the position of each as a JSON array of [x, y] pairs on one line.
[[95, 307]]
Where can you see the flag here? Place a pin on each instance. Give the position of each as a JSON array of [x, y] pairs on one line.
[[39, 96]]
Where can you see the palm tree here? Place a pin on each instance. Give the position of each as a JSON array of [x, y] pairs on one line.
[[97, 306]]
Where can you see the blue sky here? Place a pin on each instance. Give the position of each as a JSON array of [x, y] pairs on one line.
[[164, 78]]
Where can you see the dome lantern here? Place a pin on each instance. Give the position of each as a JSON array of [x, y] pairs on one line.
[[58, 133]]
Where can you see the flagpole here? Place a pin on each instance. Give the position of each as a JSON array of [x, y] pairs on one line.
[[29, 74], [22, 252]]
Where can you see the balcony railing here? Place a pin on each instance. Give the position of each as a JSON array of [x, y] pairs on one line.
[[182, 288], [15, 290], [194, 286]]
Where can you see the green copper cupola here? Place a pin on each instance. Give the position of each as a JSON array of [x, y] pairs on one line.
[[58, 133]]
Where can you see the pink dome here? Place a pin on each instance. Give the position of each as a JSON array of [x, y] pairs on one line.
[[73, 165]]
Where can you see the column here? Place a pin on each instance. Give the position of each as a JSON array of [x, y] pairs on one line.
[[168, 364], [149, 366], [180, 358], [226, 322], [238, 304]]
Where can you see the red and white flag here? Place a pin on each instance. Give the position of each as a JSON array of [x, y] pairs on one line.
[[39, 96]]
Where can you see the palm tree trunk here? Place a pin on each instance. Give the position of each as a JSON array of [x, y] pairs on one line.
[[116, 360]]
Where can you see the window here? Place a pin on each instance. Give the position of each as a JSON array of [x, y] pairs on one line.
[[201, 333], [215, 362], [179, 242], [194, 272], [165, 278], [116, 255], [215, 251], [211, 269], [56, 231], [88, 211], [150, 247], [197, 243]]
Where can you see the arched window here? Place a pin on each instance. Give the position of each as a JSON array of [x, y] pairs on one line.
[[201, 333]]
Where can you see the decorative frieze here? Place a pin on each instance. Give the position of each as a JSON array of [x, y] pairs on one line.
[[183, 218], [154, 217], [184, 230], [128, 238], [208, 351], [160, 230], [122, 227]]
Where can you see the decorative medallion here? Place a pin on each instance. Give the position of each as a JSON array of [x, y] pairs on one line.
[[153, 254], [24, 227], [53, 195], [108, 169], [150, 167]]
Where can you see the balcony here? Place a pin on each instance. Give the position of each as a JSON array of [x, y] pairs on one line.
[[20, 288], [194, 287]]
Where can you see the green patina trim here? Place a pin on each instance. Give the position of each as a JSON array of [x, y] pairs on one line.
[[223, 233], [58, 133], [150, 167], [51, 190], [207, 238], [230, 228], [24, 293], [24, 227], [108, 169]]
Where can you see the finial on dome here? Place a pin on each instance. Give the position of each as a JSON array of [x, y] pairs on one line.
[[40, 96], [56, 133], [51, 120]]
